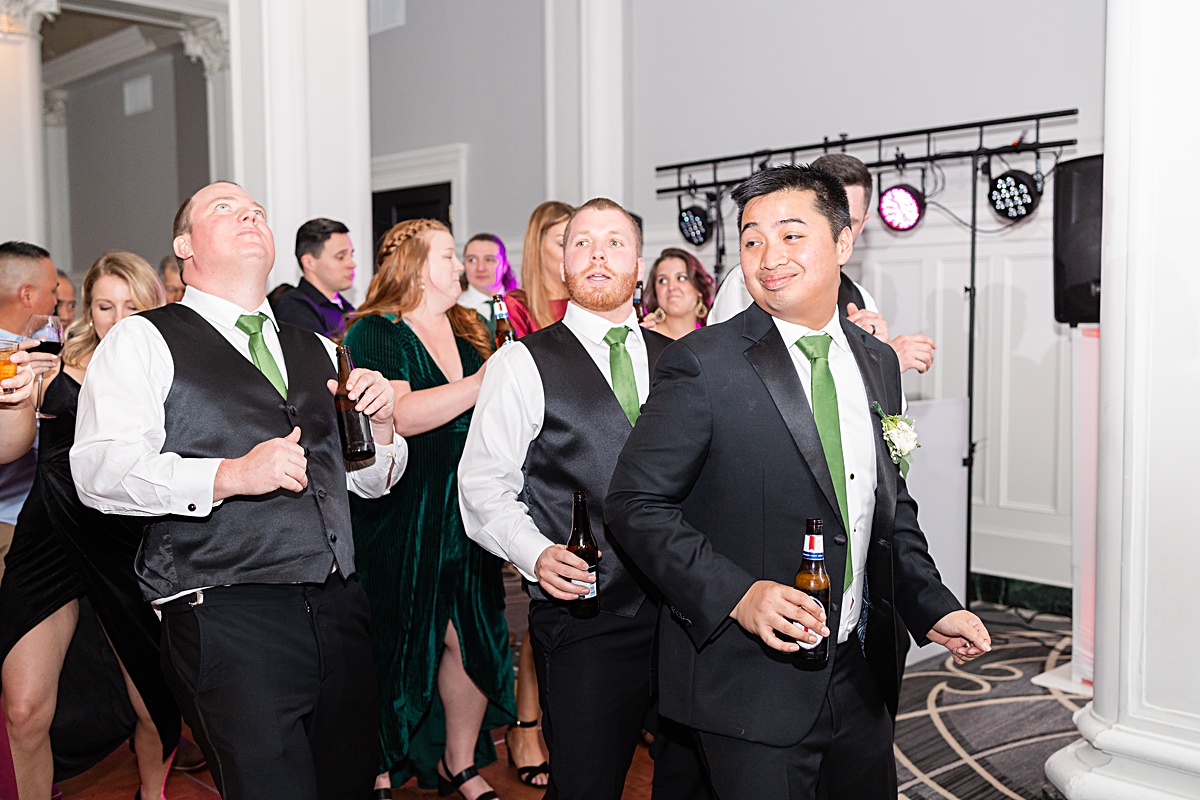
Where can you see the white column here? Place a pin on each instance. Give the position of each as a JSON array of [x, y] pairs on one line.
[[58, 182], [1142, 730], [23, 192], [205, 41], [603, 102], [300, 116]]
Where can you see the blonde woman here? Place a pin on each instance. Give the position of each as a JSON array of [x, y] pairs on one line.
[[542, 299], [437, 598], [63, 551]]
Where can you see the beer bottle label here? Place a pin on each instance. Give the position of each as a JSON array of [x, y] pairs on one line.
[[591, 587], [814, 547], [810, 645]]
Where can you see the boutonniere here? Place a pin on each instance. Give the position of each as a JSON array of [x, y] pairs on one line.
[[901, 437]]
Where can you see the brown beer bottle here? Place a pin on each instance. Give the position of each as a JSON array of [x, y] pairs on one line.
[[638, 307], [814, 581], [504, 329], [583, 544], [353, 426]]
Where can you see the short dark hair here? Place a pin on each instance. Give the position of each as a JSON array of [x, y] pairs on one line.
[[312, 236], [23, 250], [847, 169], [604, 204], [828, 191], [509, 279]]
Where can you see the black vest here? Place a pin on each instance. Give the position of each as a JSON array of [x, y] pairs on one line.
[[582, 434], [848, 293], [220, 406]]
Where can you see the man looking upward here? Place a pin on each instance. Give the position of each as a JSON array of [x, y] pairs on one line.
[[218, 424]]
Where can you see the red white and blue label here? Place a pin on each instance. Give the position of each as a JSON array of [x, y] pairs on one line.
[[814, 546], [806, 644], [591, 587]]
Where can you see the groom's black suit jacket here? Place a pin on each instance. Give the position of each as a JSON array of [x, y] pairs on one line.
[[711, 494]]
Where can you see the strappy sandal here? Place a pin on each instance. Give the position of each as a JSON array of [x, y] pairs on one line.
[[526, 774], [448, 786]]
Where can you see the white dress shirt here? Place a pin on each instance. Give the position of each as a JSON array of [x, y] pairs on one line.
[[117, 460], [508, 417], [474, 299], [859, 427], [733, 297]]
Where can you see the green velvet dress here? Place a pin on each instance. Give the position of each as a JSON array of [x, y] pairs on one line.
[[421, 572]]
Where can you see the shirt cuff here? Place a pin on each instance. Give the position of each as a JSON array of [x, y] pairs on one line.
[[192, 487], [525, 552]]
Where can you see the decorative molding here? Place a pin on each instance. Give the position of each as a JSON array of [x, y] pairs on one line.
[[442, 164], [206, 42], [54, 108], [24, 17], [118, 48]]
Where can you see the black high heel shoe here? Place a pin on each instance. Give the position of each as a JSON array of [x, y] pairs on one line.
[[448, 786], [526, 774]]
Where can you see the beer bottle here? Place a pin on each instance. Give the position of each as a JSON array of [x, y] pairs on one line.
[[353, 426], [814, 581], [638, 307], [583, 544], [504, 328]]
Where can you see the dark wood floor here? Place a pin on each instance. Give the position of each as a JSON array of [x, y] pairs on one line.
[[116, 779]]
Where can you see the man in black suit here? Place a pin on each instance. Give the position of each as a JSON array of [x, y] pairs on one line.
[[710, 496], [326, 257]]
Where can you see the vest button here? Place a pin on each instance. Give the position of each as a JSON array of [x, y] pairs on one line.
[[291, 411], [333, 538], [839, 539], [320, 494], [834, 607]]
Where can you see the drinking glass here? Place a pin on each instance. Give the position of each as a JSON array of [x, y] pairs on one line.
[[47, 330]]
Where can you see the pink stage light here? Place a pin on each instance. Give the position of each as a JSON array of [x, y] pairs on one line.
[[901, 207]]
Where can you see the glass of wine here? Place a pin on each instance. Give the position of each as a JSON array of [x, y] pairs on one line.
[[47, 330]]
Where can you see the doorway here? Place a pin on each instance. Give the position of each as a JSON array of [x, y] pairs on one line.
[[415, 202]]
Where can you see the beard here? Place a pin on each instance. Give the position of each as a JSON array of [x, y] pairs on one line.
[[601, 299]]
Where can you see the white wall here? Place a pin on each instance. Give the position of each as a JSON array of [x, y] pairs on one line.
[[468, 71], [711, 78]]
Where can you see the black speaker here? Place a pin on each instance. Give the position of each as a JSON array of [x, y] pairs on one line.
[[1078, 203]]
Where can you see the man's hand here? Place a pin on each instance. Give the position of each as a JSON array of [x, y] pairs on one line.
[[273, 464], [769, 608], [963, 634], [870, 321], [374, 395], [556, 567], [914, 350], [19, 388]]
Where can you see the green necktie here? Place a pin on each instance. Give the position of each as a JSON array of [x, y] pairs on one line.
[[252, 324], [621, 366], [829, 426], [490, 321]]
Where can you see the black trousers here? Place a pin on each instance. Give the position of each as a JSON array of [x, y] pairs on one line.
[[596, 696], [846, 756], [278, 684]]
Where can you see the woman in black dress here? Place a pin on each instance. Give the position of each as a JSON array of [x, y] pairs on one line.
[[63, 551]]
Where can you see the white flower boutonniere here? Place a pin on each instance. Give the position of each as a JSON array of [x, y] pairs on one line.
[[901, 437]]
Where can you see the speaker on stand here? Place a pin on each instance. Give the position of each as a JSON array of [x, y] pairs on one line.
[[1078, 203]]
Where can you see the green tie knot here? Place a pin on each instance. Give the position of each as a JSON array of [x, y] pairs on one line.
[[815, 346], [617, 336], [251, 324]]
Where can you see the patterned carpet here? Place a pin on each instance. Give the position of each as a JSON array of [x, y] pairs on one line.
[[983, 731]]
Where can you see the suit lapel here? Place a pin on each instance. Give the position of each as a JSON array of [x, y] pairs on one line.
[[770, 359], [872, 372]]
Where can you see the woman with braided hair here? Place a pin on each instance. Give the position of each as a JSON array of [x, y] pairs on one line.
[[437, 598]]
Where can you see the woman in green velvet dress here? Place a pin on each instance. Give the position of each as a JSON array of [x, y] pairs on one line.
[[437, 598]]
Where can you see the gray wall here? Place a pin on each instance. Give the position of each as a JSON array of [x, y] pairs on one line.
[[467, 71], [129, 174]]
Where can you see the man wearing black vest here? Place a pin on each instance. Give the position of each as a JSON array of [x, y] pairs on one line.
[[218, 423], [553, 412], [754, 426]]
